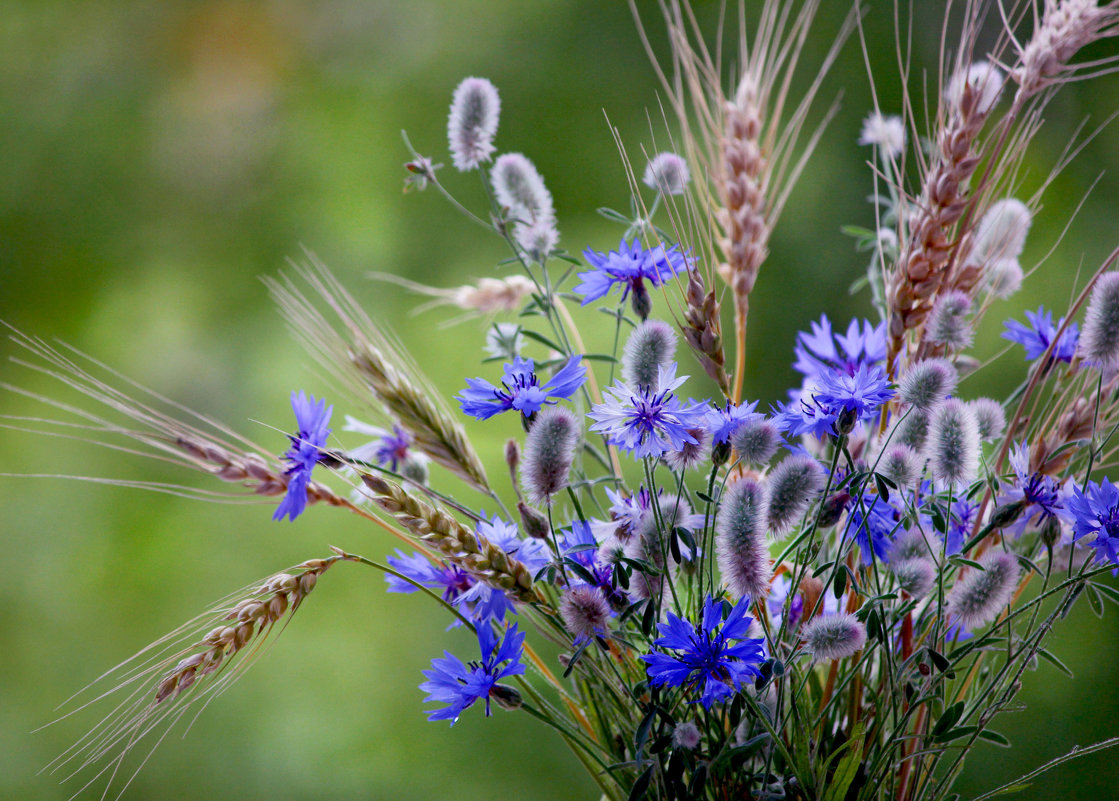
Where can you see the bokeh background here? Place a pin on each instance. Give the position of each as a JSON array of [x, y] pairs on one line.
[[157, 158]]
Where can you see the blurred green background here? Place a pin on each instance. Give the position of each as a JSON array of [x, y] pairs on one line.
[[159, 157]]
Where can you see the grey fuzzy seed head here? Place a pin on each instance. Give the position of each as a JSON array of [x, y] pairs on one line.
[[834, 636], [991, 418], [548, 453], [953, 443], [650, 347], [793, 485], [756, 442], [980, 595], [927, 383], [740, 539], [1099, 339]]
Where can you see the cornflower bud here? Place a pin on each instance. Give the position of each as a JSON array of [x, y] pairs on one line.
[[549, 451], [740, 540], [535, 525], [650, 347]]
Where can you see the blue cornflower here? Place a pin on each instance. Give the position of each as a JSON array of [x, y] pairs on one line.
[[648, 421], [872, 521], [533, 554], [1037, 336], [630, 266], [628, 512], [311, 419], [706, 661], [522, 390], [832, 402], [580, 546], [1040, 495], [459, 685], [1097, 512], [862, 346], [387, 448], [722, 422]]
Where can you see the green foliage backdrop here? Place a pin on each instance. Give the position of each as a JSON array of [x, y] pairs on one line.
[[159, 158]]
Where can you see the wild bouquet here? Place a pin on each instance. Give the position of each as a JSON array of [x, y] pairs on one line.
[[832, 598]]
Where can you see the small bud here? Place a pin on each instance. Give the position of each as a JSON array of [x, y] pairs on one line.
[[685, 735], [953, 443], [793, 485], [549, 452], [1001, 234], [1050, 533], [980, 595], [421, 173], [847, 419], [1006, 514], [975, 89], [990, 417], [755, 441], [667, 173], [414, 469], [650, 347], [947, 324], [740, 539], [472, 123], [512, 454], [506, 696], [533, 523], [927, 383], [1099, 341], [832, 509], [915, 576], [640, 300], [834, 636], [584, 611]]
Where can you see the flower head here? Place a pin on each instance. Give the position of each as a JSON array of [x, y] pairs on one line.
[[1096, 512], [713, 657], [667, 173], [459, 685], [1039, 495], [723, 422], [520, 390], [472, 123], [820, 351], [834, 401], [629, 266], [887, 133], [387, 448], [311, 418], [647, 421], [1037, 336]]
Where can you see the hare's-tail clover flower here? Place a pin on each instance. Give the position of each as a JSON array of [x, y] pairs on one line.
[[713, 657], [631, 265], [472, 123], [834, 636], [522, 390], [459, 685], [1037, 336], [667, 173], [647, 421], [311, 418], [1100, 343], [1097, 512], [887, 133]]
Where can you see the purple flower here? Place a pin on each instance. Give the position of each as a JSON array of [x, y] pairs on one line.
[[832, 402], [580, 546], [630, 266], [459, 685], [862, 346], [713, 657], [1040, 495], [647, 421], [1096, 512], [722, 423], [628, 512], [311, 419], [1037, 336], [872, 521], [388, 448], [533, 554], [522, 390]]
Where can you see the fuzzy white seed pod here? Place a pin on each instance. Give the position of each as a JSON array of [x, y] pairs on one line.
[[980, 595], [793, 485], [947, 324], [916, 576], [1004, 277], [685, 735], [984, 82], [1001, 233], [927, 383], [549, 451], [585, 611], [1099, 339], [667, 173], [691, 454], [519, 188], [756, 441], [834, 636], [493, 295], [912, 430], [740, 540], [907, 545], [887, 133], [538, 239], [472, 123], [902, 465], [953, 443], [650, 347], [991, 418]]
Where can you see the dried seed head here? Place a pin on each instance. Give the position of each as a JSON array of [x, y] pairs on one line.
[[756, 441], [519, 188], [916, 576], [953, 443], [1099, 340], [980, 595], [1001, 233], [834, 636], [927, 383], [685, 735], [472, 123], [492, 295], [740, 540], [793, 485], [1004, 277], [549, 451], [948, 324], [650, 347], [990, 417], [667, 173], [975, 89], [902, 465], [585, 612]]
